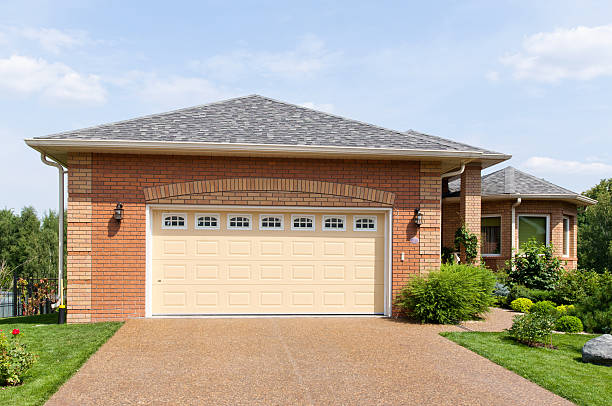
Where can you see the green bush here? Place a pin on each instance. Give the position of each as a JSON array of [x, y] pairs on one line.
[[575, 285], [566, 310], [595, 310], [535, 295], [15, 360], [545, 306], [532, 328], [522, 304], [569, 324], [450, 295], [535, 266]]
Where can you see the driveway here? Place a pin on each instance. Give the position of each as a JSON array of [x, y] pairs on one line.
[[272, 361]]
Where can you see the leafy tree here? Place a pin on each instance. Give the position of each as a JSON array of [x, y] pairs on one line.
[[595, 229]]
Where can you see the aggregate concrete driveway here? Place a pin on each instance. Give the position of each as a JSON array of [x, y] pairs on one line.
[[273, 361]]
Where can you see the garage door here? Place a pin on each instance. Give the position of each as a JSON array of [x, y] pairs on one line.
[[211, 262]]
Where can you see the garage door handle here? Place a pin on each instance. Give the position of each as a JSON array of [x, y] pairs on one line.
[[159, 280]]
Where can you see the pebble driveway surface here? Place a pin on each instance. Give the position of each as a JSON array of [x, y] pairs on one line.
[[294, 361]]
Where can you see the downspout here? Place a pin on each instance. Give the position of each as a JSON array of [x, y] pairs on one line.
[[513, 244], [447, 175], [60, 264]]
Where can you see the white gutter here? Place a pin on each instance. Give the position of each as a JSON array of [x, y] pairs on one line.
[[60, 214], [513, 244]]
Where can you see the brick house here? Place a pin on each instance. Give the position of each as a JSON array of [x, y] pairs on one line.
[[255, 206]]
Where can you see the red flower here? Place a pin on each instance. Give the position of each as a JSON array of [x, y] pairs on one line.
[[15, 331]]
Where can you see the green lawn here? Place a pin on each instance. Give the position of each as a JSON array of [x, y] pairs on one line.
[[62, 349], [560, 371]]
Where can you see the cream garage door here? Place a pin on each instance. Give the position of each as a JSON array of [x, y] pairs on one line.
[[211, 262]]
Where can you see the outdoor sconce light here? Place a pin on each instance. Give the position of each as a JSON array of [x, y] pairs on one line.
[[418, 217], [118, 212]]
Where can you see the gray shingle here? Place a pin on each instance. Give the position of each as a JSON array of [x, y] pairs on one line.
[[259, 120]]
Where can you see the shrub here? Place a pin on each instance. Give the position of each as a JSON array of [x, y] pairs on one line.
[[536, 266], [595, 310], [566, 310], [575, 285], [501, 290], [569, 324], [545, 306], [15, 360], [450, 295], [521, 304], [532, 328], [535, 295]]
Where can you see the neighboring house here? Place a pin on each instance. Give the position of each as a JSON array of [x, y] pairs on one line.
[[516, 207], [254, 206]]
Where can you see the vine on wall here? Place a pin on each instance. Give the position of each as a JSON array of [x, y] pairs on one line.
[[469, 241]]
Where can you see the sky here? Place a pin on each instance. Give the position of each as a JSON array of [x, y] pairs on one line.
[[531, 79]]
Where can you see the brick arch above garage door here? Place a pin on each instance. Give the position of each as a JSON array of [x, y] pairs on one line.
[[264, 189]]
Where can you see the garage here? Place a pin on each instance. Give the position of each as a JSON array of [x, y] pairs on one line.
[[207, 261]]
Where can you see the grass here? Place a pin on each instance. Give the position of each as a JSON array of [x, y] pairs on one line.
[[560, 371], [62, 349]]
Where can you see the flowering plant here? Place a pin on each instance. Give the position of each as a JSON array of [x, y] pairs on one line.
[[15, 359]]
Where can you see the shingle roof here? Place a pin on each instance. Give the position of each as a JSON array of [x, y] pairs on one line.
[[259, 120], [511, 181]]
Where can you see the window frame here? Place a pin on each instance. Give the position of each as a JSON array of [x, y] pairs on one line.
[[229, 217], [309, 216], [358, 217], [216, 215], [518, 227], [566, 236], [500, 234], [280, 216], [333, 216], [166, 214]]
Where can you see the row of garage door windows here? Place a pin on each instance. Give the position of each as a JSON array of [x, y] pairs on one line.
[[209, 221]]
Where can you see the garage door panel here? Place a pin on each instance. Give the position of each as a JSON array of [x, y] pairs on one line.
[[267, 272]]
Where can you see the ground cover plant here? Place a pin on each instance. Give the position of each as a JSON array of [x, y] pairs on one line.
[[60, 350]]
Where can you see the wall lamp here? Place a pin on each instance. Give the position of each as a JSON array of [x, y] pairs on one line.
[[118, 212], [418, 217]]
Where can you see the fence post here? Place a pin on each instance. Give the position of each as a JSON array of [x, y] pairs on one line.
[[15, 293]]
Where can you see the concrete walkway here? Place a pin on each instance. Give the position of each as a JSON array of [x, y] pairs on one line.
[[282, 361]]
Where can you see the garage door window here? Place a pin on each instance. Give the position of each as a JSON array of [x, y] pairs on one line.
[[270, 222], [365, 223], [302, 222], [174, 221], [334, 223], [239, 222], [207, 221]]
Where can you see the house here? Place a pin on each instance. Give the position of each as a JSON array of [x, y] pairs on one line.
[[256, 206], [516, 207]]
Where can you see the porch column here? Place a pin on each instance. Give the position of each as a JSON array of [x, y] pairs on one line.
[[469, 207]]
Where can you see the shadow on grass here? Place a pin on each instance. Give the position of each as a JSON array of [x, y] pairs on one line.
[[38, 319]]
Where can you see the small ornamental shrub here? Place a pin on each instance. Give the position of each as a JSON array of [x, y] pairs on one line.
[[575, 285], [501, 290], [15, 360], [569, 324], [450, 295], [566, 310], [535, 266], [595, 310], [521, 304], [533, 328], [544, 306]]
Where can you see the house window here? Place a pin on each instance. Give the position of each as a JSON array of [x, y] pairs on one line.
[[207, 221], [334, 223], [533, 227], [364, 223], [566, 236], [238, 221], [270, 222], [302, 222], [174, 221], [490, 229]]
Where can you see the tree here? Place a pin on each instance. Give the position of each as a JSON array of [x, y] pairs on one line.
[[595, 229]]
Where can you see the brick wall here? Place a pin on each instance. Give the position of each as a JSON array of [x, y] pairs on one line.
[[106, 271]]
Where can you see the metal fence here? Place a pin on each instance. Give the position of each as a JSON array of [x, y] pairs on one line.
[[29, 297]]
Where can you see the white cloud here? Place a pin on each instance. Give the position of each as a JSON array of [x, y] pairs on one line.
[[307, 58], [51, 80], [50, 39], [580, 53], [492, 76], [328, 107], [553, 166]]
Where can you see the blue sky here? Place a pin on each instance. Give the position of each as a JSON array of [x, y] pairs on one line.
[[532, 79]]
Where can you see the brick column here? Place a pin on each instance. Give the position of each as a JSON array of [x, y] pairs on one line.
[[470, 201], [429, 203]]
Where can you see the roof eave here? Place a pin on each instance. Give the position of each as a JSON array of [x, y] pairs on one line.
[[577, 199]]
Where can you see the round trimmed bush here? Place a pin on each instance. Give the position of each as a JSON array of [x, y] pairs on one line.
[[569, 324], [545, 306], [522, 304], [566, 310]]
